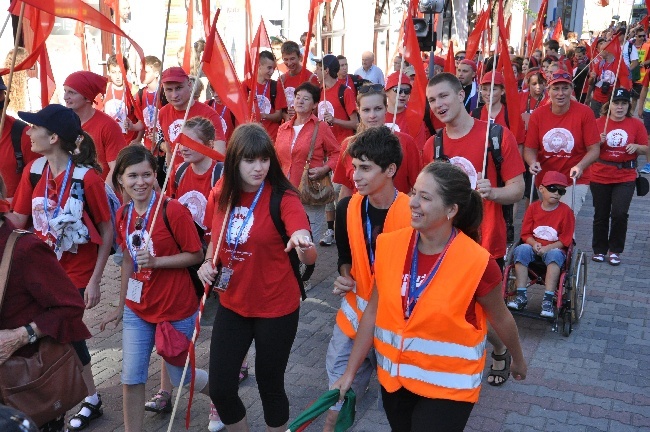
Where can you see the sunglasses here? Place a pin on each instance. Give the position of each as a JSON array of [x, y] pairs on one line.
[[641, 36], [459, 58], [138, 223], [562, 75], [372, 88], [402, 90], [553, 189]]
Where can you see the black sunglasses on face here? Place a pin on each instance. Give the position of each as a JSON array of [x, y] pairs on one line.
[[402, 90], [459, 58], [377, 88], [553, 189]]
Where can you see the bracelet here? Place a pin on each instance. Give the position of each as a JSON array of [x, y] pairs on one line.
[[207, 260]]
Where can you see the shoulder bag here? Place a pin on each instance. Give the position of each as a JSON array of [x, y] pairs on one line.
[[47, 384], [315, 192]]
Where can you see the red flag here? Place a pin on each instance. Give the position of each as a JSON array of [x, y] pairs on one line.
[[221, 73], [623, 73], [474, 39], [450, 62], [416, 105], [205, 13], [80, 11], [539, 27], [129, 101], [311, 17], [512, 97], [261, 40], [558, 32], [187, 53], [644, 22], [508, 27]]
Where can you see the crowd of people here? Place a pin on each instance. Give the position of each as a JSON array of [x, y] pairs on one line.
[[414, 210]]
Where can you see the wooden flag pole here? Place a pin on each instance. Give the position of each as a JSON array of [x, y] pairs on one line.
[[13, 65]]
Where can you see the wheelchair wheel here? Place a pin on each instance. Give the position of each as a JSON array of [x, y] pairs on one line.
[[566, 324], [578, 285]]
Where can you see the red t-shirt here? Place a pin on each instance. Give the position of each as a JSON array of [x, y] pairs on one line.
[[263, 94], [8, 163], [262, 284], [226, 119], [561, 140], [171, 120], [606, 72], [420, 136], [118, 108], [167, 293], [108, 138], [529, 104], [30, 201], [348, 82], [329, 101], [467, 153], [619, 135], [500, 119], [145, 111], [491, 278], [548, 226], [289, 83], [406, 174], [193, 191]]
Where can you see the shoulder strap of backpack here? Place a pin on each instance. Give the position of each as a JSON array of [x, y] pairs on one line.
[[273, 92], [342, 98], [438, 152], [495, 138], [166, 221], [216, 173], [180, 172], [16, 136], [36, 171], [276, 200], [476, 112]]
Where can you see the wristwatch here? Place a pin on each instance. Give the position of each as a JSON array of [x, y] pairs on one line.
[[31, 336]]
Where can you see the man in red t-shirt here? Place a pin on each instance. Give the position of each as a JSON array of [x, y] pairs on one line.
[[295, 75], [176, 85], [463, 139], [146, 103], [117, 103], [398, 117], [349, 80], [80, 90], [562, 136], [271, 100]]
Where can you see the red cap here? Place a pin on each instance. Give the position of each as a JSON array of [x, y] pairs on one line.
[[555, 178], [561, 75], [392, 79], [174, 74], [469, 63], [498, 78], [88, 84], [439, 61]]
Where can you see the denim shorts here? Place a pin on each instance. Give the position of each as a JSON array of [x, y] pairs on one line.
[[336, 360], [524, 255], [138, 338]]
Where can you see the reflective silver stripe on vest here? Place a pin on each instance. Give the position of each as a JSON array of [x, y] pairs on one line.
[[362, 304], [442, 379], [349, 313], [429, 347]]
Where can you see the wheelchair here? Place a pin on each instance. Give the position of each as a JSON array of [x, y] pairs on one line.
[[569, 298]]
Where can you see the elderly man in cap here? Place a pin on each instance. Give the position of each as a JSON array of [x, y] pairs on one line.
[[79, 92], [368, 70]]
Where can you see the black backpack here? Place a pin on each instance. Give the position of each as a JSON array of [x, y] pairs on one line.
[[182, 168], [16, 135], [495, 138]]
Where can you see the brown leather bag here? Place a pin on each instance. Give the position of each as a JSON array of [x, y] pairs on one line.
[[315, 192], [47, 384]]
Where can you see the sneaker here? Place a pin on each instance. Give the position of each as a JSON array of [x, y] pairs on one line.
[[645, 169], [614, 259], [328, 238], [547, 307], [215, 424], [519, 302]]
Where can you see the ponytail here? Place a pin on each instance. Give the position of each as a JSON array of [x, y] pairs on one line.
[[469, 217], [83, 151]]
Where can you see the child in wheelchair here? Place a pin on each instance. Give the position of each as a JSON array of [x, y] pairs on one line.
[[546, 233]]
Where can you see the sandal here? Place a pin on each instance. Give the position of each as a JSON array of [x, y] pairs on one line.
[[504, 373], [95, 412], [598, 258], [161, 402], [243, 373], [614, 259]]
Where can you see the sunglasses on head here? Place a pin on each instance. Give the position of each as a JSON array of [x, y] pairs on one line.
[[375, 88], [553, 189], [402, 90], [562, 75]]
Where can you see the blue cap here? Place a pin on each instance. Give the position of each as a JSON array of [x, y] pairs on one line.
[[56, 118]]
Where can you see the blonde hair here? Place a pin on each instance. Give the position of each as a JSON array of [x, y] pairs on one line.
[[18, 93]]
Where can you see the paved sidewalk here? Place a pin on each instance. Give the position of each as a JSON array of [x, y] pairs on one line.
[[597, 379]]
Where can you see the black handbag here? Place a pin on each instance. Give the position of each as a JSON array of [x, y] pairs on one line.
[[642, 186]]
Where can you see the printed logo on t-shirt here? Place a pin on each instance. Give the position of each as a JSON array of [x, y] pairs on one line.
[[196, 203], [149, 113], [323, 107], [558, 140], [390, 126], [289, 94], [608, 76], [175, 129], [264, 104], [467, 167], [39, 217], [237, 221], [617, 138], [116, 109], [545, 232]]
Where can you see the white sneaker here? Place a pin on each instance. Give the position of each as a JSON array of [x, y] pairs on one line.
[[215, 424], [328, 238]]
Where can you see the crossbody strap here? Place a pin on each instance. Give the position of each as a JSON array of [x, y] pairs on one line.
[[5, 264], [313, 143]]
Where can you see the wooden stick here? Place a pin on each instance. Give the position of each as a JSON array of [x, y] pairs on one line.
[[399, 83], [13, 65], [487, 132], [4, 26], [162, 61]]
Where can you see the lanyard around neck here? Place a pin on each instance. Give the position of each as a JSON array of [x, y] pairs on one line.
[[368, 233], [55, 213], [129, 242], [243, 225]]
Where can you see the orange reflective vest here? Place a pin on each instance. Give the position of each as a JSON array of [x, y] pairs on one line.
[[355, 301], [435, 353]]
